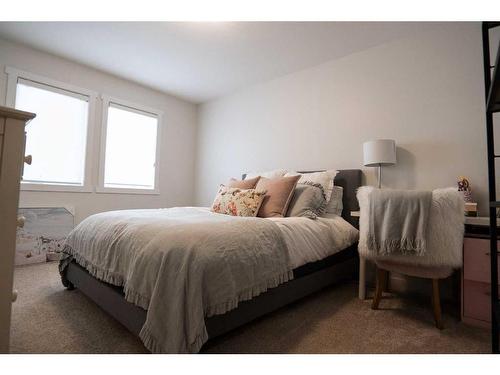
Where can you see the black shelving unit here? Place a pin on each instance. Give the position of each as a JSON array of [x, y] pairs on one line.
[[492, 95]]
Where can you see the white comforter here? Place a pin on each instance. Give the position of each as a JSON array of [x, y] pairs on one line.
[[312, 240]]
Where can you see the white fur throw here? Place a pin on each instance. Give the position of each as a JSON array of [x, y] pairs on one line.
[[445, 230]]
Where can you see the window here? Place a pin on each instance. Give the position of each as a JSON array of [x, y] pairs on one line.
[[57, 137], [60, 138], [129, 148]]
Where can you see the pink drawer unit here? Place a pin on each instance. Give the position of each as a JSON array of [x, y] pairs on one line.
[[477, 301], [476, 290], [477, 260]]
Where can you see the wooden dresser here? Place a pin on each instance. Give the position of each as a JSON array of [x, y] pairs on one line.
[[476, 290], [12, 141]]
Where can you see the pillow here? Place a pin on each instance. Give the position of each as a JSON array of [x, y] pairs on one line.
[[238, 202], [278, 196], [243, 184], [324, 178], [269, 174], [307, 201], [335, 206]]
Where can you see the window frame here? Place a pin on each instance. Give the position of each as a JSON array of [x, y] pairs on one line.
[[133, 107], [13, 75]]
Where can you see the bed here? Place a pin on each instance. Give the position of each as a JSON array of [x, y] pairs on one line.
[[306, 277]]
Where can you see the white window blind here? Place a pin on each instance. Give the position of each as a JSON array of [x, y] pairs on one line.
[[131, 148], [57, 137]]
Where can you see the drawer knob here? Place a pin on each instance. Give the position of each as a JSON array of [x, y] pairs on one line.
[[28, 159], [14, 295], [20, 221]]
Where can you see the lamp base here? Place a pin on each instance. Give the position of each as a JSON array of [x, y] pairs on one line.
[[379, 176]]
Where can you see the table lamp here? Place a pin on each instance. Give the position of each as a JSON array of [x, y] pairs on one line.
[[378, 153]]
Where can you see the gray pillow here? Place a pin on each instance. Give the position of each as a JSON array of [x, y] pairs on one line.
[[308, 201], [335, 206]]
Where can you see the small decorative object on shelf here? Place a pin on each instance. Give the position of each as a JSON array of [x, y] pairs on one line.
[[470, 209], [464, 187]]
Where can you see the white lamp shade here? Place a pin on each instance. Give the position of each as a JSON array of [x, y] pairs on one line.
[[379, 152]]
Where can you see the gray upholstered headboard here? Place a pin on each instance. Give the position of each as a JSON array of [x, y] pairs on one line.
[[350, 180]]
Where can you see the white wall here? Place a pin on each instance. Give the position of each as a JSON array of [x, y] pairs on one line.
[[178, 134], [426, 92]]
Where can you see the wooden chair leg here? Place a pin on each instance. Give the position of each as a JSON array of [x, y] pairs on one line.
[[436, 304], [381, 282]]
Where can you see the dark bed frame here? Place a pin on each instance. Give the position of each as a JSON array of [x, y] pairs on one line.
[[308, 279]]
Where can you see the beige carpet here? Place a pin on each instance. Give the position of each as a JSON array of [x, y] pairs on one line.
[[49, 319]]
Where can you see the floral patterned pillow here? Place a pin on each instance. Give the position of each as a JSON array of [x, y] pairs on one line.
[[238, 202]]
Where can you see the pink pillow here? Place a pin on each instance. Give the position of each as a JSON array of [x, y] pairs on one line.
[[279, 192], [243, 184]]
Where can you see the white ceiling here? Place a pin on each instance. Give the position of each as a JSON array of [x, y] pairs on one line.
[[202, 61]]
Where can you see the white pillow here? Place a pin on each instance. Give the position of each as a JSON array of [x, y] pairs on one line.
[[335, 206], [268, 174], [325, 179]]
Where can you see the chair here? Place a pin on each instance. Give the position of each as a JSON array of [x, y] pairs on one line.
[[444, 237]]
